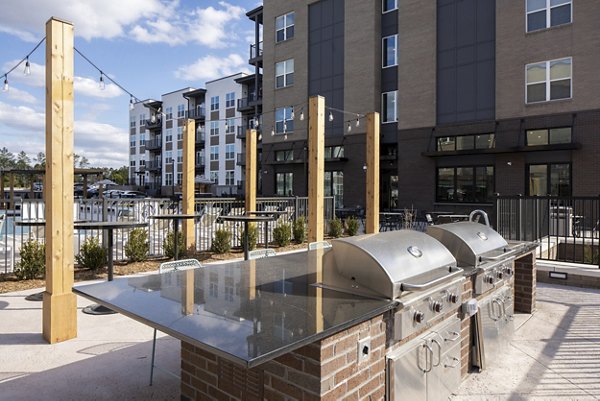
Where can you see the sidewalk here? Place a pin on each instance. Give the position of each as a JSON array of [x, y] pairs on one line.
[[554, 355]]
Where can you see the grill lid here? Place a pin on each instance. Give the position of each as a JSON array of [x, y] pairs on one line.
[[469, 242], [385, 264]]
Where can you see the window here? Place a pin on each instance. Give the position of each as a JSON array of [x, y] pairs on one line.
[[214, 103], [132, 122], [169, 135], [334, 152], [388, 107], [214, 176], [465, 142], [214, 153], [180, 133], [142, 139], [389, 51], [284, 184], [389, 5], [549, 179], [168, 178], [132, 141], [283, 120], [229, 177], [229, 151], [284, 73], [214, 128], [230, 100], [169, 156], [131, 163], [142, 162], [284, 155], [542, 14], [169, 113], [548, 80], [179, 155], [180, 110], [284, 27], [334, 186], [551, 136], [143, 119], [465, 184], [230, 126]]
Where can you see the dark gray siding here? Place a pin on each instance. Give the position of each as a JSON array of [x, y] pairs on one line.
[[465, 60], [326, 58]]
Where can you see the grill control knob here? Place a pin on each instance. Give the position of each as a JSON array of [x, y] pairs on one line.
[[500, 275], [452, 298], [508, 271], [489, 279], [437, 306], [419, 317]]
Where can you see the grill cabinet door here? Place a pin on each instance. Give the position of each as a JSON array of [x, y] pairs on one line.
[[406, 372], [444, 378]]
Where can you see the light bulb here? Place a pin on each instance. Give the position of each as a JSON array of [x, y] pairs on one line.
[[285, 137], [27, 67], [330, 116], [260, 137], [349, 127], [293, 115], [5, 87], [357, 123], [301, 116], [272, 132], [101, 83], [131, 106], [284, 127]]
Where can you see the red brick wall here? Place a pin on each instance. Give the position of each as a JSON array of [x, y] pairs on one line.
[[525, 283]]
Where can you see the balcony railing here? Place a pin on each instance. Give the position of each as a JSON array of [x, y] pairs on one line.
[[153, 165], [241, 159], [256, 51], [200, 161], [154, 144], [249, 102], [152, 124], [197, 113], [200, 136]]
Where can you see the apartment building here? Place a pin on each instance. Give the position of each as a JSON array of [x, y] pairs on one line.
[[476, 97], [156, 138]]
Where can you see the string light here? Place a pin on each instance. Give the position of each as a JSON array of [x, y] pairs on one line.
[[101, 83], [293, 115], [285, 137], [301, 115], [5, 87], [357, 122], [131, 105], [272, 132], [349, 127], [27, 67], [330, 116]]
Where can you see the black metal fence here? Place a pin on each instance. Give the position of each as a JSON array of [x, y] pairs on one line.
[[13, 236], [567, 228]]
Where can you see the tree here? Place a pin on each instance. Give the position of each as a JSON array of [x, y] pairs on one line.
[[84, 162], [7, 159], [40, 160], [120, 175], [23, 161]]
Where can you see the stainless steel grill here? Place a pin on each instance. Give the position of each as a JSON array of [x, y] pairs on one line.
[[479, 250], [408, 266]]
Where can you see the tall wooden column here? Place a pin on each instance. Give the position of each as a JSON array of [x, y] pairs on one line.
[[250, 170], [372, 201], [316, 168], [187, 185], [60, 304]]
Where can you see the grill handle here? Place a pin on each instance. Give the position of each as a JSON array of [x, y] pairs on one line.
[[509, 255], [454, 272]]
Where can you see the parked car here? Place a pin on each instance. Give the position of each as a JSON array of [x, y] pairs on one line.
[[133, 194]]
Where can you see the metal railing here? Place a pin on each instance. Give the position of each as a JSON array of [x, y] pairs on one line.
[[567, 228], [13, 237], [256, 51]]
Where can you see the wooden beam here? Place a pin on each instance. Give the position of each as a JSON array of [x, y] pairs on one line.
[[187, 186], [316, 168], [250, 170], [372, 193], [60, 304]]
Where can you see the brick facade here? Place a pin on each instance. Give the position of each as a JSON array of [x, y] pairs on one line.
[[525, 283]]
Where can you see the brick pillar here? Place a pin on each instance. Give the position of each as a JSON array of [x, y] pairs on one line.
[[525, 279]]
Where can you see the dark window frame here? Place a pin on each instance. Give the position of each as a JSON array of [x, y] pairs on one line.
[[474, 140], [438, 198], [548, 135], [548, 177]]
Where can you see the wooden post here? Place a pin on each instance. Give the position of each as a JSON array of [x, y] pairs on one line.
[[316, 168], [250, 170], [187, 186], [372, 201], [60, 304]]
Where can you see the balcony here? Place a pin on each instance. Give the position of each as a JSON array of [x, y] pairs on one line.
[[256, 53], [153, 166], [241, 159], [200, 137], [248, 103], [200, 162], [153, 124], [154, 144], [198, 113]]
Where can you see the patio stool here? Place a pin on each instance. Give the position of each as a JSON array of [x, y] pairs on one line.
[[184, 264]]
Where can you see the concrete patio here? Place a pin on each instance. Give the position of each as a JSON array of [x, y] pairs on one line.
[[554, 355]]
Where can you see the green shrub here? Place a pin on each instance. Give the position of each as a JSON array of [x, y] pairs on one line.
[[299, 230], [336, 228], [33, 260], [136, 249], [352, 226], [91, 255], [221, 243], [252, 237], [282, 234], [169, 245]]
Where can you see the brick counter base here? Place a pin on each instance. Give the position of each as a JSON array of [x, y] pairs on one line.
[[525, 279]]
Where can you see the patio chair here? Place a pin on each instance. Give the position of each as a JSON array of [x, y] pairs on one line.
[[166, 267], [261, 253], [319, 245]]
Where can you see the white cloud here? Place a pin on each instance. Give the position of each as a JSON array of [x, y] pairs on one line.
[[37, 78], [20, 95], [210, 67], [89, 87], [104, 145]]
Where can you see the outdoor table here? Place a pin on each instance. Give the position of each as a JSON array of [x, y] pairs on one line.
[[107, 226], [246, 219], [391, 220], [176, 219], [276, 213]]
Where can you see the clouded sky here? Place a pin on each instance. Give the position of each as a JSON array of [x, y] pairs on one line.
[[150, 47]]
